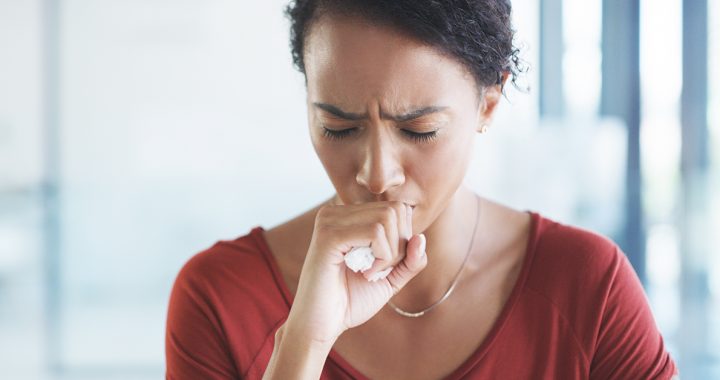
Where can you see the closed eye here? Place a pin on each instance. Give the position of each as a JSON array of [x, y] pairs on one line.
[[333, 134]]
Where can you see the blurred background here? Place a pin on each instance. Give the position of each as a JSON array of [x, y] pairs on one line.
[[135, 133]]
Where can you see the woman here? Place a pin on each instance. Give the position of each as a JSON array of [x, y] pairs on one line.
[[461, 286]]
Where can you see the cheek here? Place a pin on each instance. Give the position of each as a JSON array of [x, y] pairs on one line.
[[442, 173], [444, 165], [335, 158]]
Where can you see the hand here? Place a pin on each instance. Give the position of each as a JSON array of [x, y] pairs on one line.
[[330, 297]]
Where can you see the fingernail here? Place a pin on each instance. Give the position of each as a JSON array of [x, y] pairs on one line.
[[423, 243]]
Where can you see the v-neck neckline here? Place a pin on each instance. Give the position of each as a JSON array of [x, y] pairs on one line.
[[258, 233]]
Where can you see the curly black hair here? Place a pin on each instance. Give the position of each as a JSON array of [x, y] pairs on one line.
[[478, 33]]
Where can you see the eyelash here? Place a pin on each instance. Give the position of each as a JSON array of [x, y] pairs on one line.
[[420, 137]]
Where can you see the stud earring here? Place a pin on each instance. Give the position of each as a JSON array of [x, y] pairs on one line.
[[483, 128]]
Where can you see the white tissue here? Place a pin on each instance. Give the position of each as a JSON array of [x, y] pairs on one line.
[[359, 259]]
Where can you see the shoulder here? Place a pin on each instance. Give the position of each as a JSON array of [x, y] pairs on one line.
[[239, 270], [241, 255], [566, 255], [223, 308], [571, 275], [586, 281], [215, 265], [589, 283]]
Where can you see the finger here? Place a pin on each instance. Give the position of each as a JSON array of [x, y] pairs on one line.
[[391, 218], [409, 222], [381, 250], [345, 238], [347, 214], [400, 207], [344, 209], [391, 214], [414, 263], [398, 228]]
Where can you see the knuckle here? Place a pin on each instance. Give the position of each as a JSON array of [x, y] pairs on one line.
[[397, 205], [389, 210], [390, 214]]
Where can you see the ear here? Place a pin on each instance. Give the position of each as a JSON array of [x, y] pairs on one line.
[[489, 99]]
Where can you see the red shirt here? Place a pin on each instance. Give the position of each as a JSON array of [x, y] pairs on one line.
[[577, 311]]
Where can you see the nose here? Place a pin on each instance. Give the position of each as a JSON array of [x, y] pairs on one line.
[[380, 168]]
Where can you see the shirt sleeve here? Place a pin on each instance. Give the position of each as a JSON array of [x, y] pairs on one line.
[[195, 346], [629, 344]]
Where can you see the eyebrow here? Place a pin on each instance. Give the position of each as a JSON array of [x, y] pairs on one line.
[[414, 114]]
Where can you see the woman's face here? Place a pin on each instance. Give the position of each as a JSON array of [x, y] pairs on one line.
[[390, 118]]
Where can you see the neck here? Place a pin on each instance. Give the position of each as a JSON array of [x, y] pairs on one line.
[[448, 241]]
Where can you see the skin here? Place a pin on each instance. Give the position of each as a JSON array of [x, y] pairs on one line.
[[366, 77], [374, 79]]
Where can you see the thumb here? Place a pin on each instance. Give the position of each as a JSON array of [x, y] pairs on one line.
[[415, 261]]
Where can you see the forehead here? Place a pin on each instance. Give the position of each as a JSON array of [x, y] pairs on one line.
[[347, 58]]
